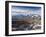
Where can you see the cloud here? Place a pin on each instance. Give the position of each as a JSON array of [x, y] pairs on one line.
[[25, 10]]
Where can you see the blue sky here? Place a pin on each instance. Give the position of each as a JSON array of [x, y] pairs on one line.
[[35, 10]]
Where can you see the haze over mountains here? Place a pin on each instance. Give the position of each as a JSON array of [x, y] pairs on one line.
[[23, 17]]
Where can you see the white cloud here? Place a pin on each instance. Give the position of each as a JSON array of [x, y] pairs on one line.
[[19, 11]]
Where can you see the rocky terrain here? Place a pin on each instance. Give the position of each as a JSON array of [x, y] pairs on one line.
[[29, 22]]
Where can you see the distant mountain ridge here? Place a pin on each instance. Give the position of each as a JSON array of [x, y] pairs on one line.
[[23, 17]]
